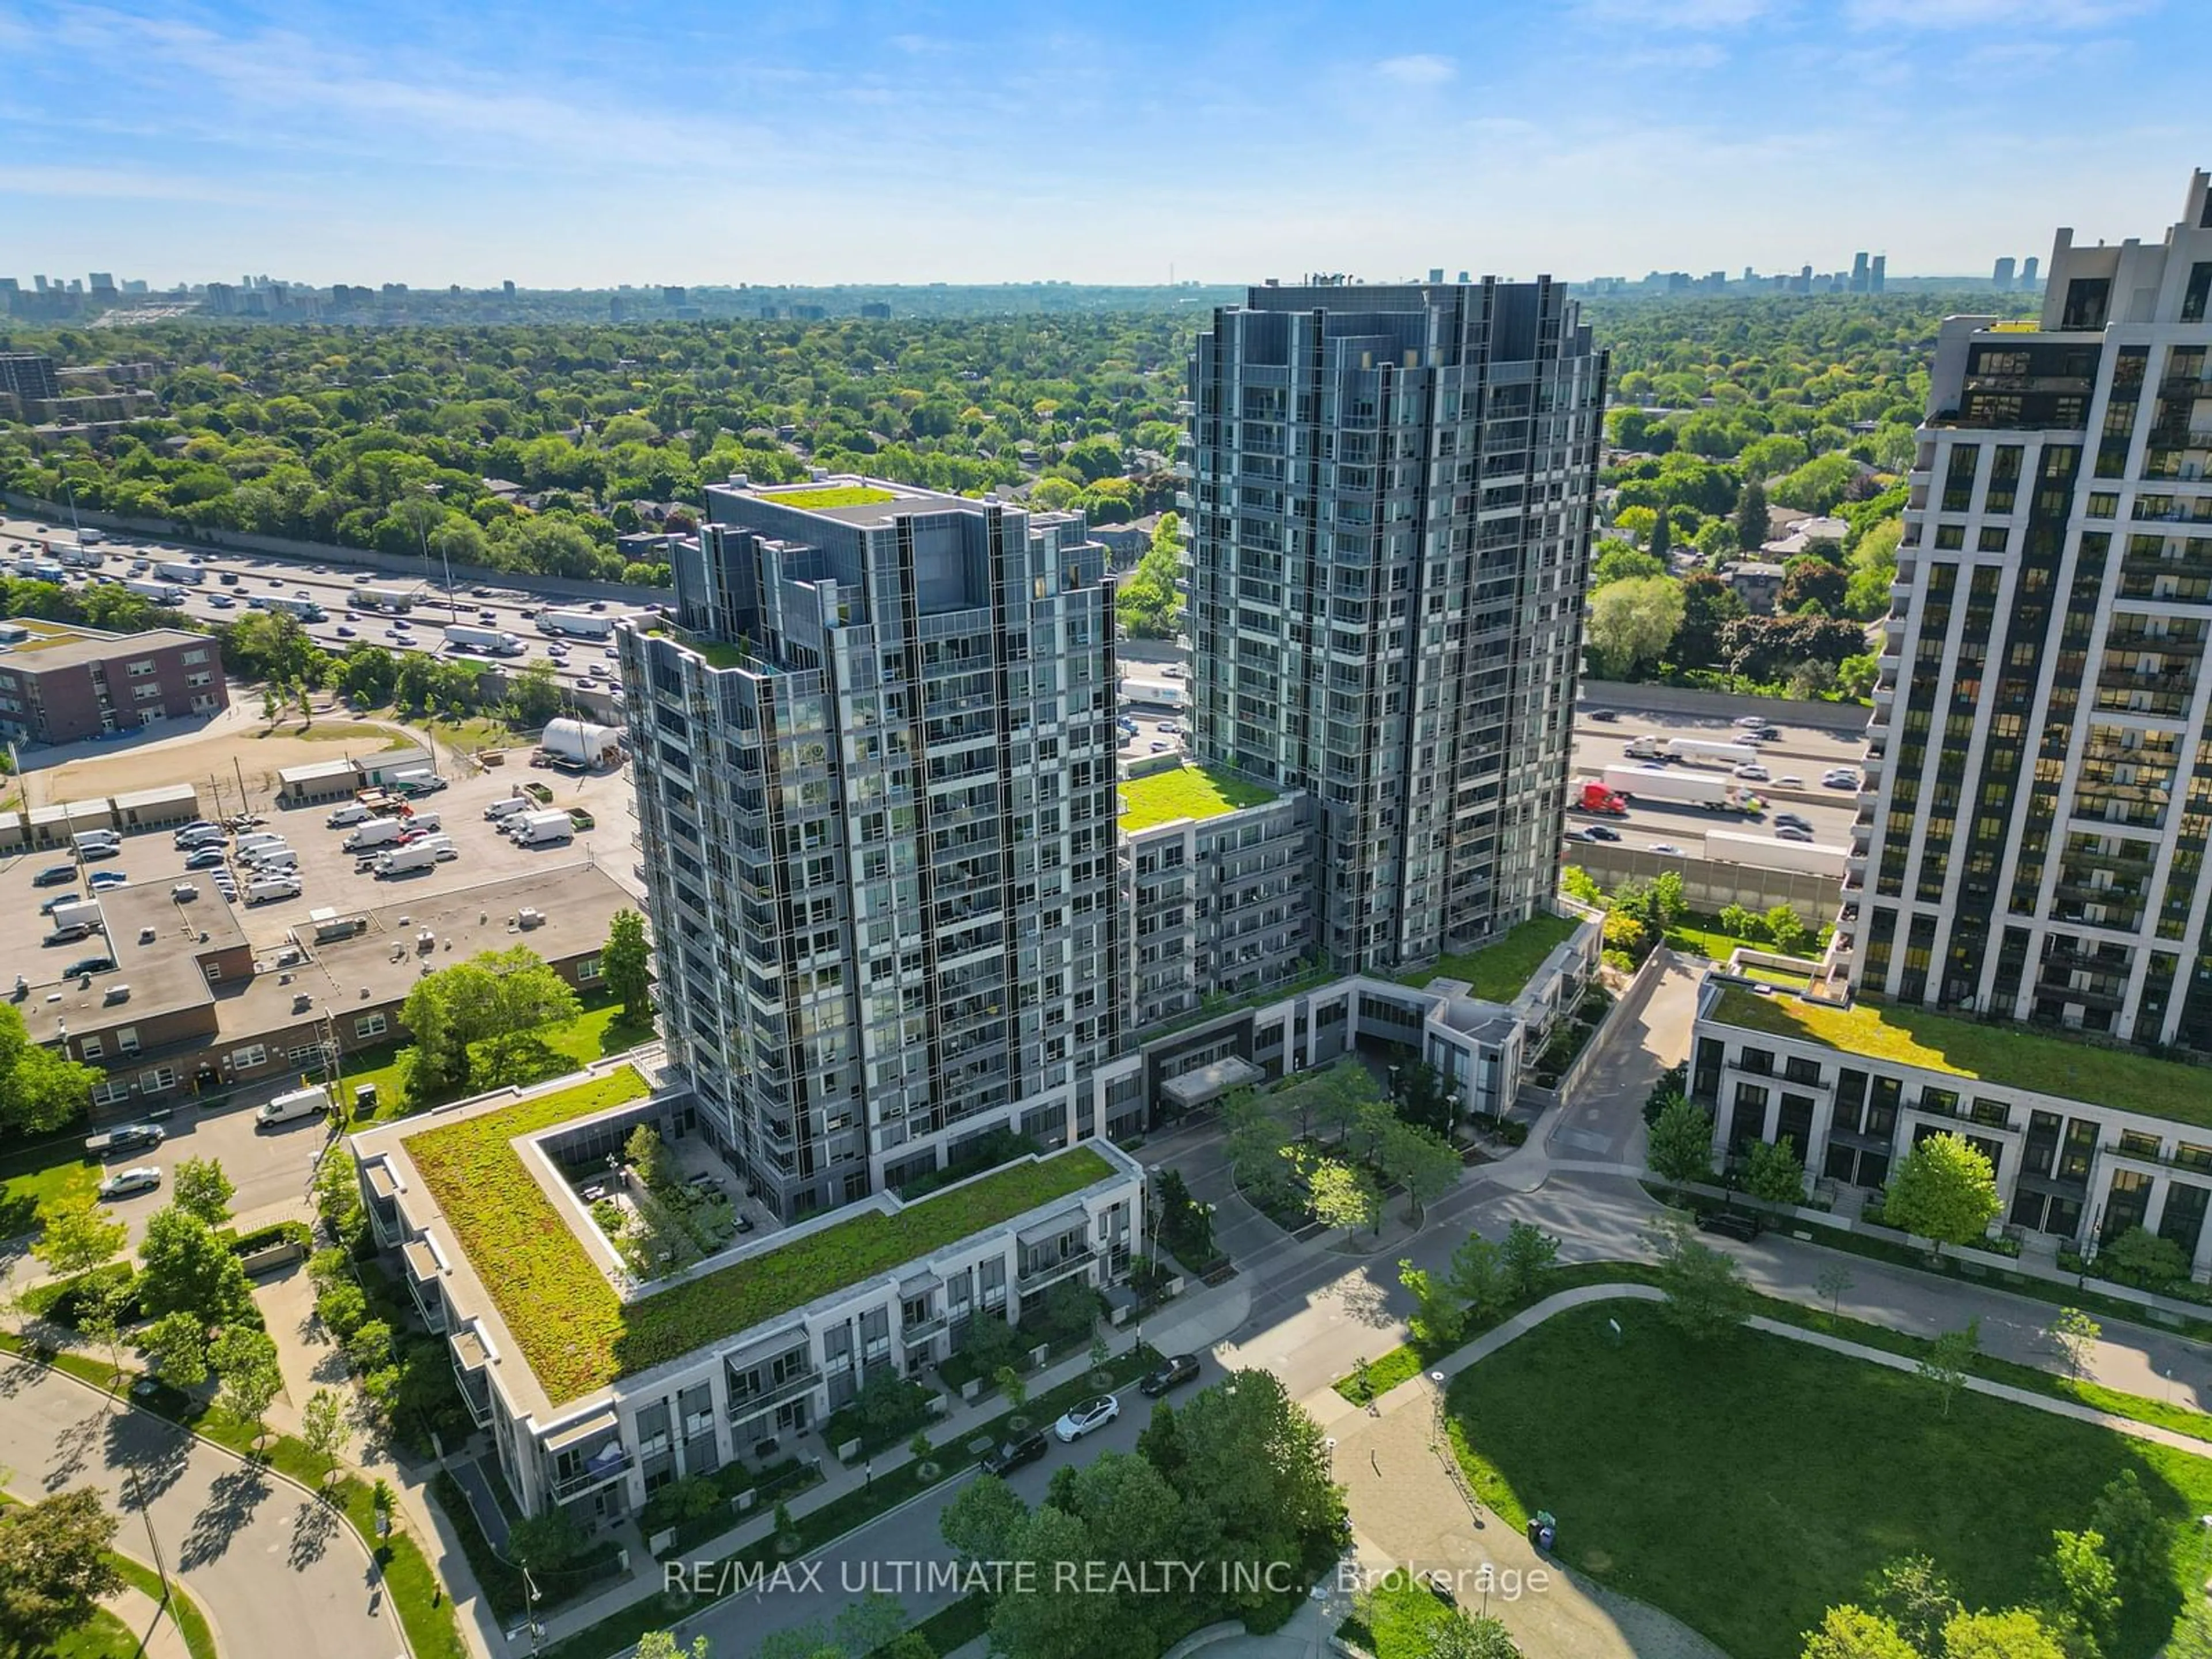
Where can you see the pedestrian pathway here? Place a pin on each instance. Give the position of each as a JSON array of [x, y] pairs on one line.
[[150, 1621]]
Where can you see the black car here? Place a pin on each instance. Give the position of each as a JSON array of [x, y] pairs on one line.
[[54, 875], [1009, 1455], [1167, 1375], [90, 965], [1599, 832], [1604, 714]]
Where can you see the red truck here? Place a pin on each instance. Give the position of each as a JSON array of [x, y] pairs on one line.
[[1594, 798]]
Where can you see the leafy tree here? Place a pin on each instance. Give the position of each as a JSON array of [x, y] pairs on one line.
[[1851, 1632], [1662, 539], [1818, 485], [175, 1345], [625, 964], [1462, 1637], [1344, 1196], [368, 1349], [1025, 1622], [1834, 1280], [54, 1567], [2084, 1588], [1947, 1357], [1438, 1316], [1529, 1254], [473, 1022], [1782, 927], [1340, 1095], [1630, 623], [1913, 1595], [662, 1645], [981, 1522], [533, 695], [1752, 518], [1426, 1099], [2014, 1633], [41, 1090], [76, 1236], [245, 1361], [2075, 1333], [547, 1541], [323, 1425], [1775, 1173], [1011, 1385], [1944, 1190], [1479, 1276], [201, 1188], [1421, 1160], [1811, 678], [1705, 1288], [367, 674], [1618, 561], [1681, 1144], [187, 1270], [1255, 1143], [1708, 605], [2136, 1538]]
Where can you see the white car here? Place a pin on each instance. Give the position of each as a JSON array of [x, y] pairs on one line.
[[1840, 779], [124, 1183], [1791, 832], [1083, 1418], [1788, 780], [1752, 722], [1752, 772], [1667, 847]]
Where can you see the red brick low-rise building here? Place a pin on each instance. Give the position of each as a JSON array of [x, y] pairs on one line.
[[59, 684]]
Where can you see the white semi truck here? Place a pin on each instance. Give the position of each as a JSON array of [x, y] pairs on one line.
[[484, 641], [1695, 752], [160, 592], [1656, 785], [577, 624], [1765, 853]]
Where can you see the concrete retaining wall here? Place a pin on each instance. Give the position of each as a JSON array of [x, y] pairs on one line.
[[402, 565], [1724, 706], [1711, 885]]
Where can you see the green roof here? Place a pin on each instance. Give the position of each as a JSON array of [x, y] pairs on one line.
[[578, 1335], [1189, 791], [2003, 1056], [1500, 971], [830, 495]]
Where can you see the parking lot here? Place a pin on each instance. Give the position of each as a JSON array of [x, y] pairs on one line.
[[327, 872], [580, 663]]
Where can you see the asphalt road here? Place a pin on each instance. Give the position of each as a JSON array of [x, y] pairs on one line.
[[329, 583], [277, 1573]]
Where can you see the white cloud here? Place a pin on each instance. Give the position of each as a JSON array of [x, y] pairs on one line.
[[2018, 16], [117, 183], [1678, 13], [1420, 69]]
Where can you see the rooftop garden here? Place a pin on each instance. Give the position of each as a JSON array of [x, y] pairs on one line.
[[577, 1334], [2003, 1055], [1188, 790], [1500, 971], [830, 495]]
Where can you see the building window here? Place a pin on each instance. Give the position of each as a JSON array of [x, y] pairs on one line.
[[139, 670], [370, 1025], [145, 693], [126, 1040], [214, 971], [588, 968], [245, 1060], [310, 1055], [88, 1048], [196, 655], [110, 1091], [156, 1081]]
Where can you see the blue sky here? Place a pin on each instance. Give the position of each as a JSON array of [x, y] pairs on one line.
[[568, 143]]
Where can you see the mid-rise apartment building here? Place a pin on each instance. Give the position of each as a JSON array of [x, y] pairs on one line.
[[875, 759], [2038, 778], [59, 684], [1389, 503]]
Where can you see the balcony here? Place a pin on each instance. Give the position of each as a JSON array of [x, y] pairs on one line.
[[921, 1331], [586, 1456], [798, 1382], [1035, 1275], [471, 1372]]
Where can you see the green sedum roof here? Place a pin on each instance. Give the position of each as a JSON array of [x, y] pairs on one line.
[[2014, 1055], [1188, 790], [578, 1335], [1500, 971], [830, 495]]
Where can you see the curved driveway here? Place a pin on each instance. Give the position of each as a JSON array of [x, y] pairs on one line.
[[280, 1575]]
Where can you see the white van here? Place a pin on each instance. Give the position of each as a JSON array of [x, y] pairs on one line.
[[273, 857], [352, 813], [272, 887], [300, 1103], [89, 838], [423, 821], [245, 844], [503, 809]]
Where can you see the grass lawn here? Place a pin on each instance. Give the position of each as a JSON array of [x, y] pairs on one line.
[[596, 1032], [473, 735], [1397, 1619], [2070, 1066], [1690, 934], [1746, 1484], [1186, 791], [105, 1635], [32, 1179], [1499, 971], [102, 1636], [328, 729]]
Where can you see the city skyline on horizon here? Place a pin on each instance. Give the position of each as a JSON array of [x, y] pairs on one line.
[[931, 146]]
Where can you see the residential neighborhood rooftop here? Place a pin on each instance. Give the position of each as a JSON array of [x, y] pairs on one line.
[[2004, 1056], [1188, 790], [1500, 971]]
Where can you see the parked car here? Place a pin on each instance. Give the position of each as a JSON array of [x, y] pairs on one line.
[[84, 965], [208, 858], [1603, 832], [54, 875], [183, 832], [102, 880], [124, 1183], [1090, 1414], [100, 849], [246, 821], [57, 901], [1008, 1455], [1168, 1374]]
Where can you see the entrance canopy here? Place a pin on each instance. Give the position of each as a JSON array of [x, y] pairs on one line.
[[1205, 1082]]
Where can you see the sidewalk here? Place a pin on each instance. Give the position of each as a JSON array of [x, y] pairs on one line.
[[148, 1622]]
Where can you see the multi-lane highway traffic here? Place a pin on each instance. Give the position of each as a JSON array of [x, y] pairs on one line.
[[332, 583]]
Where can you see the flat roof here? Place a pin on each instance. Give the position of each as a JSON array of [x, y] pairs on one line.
[[1188, 790], [850, 499], [164, 974], [559, 1310], [1500, 971], [87, 647], [2004, 1056]]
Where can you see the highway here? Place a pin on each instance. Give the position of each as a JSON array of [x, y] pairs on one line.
[[586, 664]]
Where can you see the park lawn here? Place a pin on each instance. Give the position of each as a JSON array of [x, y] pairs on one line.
[[1398, 1619], [1746, 1484], [31, 1180], [598, 1031], [101, 1636], [1500, 971], [1693, 934]]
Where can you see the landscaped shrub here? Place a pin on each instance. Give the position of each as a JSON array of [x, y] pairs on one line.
[[64, 1301], [887, 1410]]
